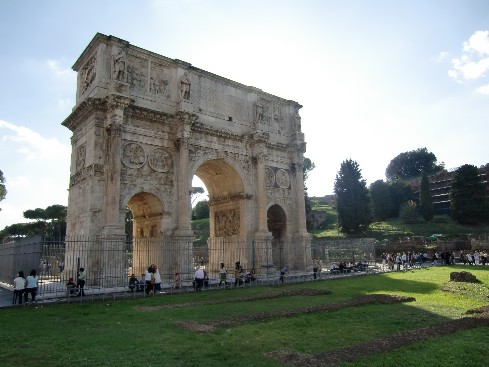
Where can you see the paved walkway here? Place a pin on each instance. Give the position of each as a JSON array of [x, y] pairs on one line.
[[119, 293]]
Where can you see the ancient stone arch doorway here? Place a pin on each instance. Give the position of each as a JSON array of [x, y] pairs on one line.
[[147, 243], [277, 226], [146, 212], [227, 207]]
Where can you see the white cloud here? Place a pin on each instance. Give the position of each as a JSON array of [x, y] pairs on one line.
[[32, 145], [478, 42], [484, 89], [36, 169], [474, 62], [55, 67]]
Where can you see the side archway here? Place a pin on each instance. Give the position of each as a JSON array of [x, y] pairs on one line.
[[277, 226], [147, 213]]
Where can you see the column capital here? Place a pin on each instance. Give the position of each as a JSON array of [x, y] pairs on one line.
[[118, 102]]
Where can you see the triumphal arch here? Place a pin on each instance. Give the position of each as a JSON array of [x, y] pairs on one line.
[[144, 125]]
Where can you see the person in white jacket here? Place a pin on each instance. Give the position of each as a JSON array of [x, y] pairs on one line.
[[19, 287]]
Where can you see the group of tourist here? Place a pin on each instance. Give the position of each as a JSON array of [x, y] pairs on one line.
[[77, 289], [404, 260], [152, 280], [25, 286], [473, 258]]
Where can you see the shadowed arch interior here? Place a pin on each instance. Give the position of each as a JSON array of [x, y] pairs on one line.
[[220, 179], [276, 219], [147, 211]]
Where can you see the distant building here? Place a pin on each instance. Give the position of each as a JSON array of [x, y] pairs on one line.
[[440, 185]]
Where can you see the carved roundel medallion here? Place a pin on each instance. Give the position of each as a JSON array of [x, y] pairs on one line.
[[160, 160], [269, 177], [283, 179], [133, 155]]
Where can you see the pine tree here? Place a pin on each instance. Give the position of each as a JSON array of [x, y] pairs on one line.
[[352, 198]]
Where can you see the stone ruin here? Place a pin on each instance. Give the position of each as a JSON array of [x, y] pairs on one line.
[[144, 124]]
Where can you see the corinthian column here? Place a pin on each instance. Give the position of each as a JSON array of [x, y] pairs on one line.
[[299, 196], [259, 153], [186, 120], [115, 120]]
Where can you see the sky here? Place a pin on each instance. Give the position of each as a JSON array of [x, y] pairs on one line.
[[375, 78]]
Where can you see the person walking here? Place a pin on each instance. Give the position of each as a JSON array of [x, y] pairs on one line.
[[149, 280], [31, 287], [19, 287], [199, 278], [157, 277]]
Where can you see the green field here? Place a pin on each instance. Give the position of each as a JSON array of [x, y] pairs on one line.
[[262, 326]]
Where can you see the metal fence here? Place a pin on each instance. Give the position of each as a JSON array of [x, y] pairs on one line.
[[344, 250], [110, 261]]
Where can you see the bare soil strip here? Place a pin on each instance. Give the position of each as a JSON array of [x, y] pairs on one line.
[[380, 345], [205, 327]]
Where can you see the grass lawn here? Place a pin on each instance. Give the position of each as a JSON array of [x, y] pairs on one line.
[[149, 331]]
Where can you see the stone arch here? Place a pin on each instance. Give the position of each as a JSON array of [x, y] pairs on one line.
[[277, 226], [147, 212], [226, 190], [138, 141], [228, 222]]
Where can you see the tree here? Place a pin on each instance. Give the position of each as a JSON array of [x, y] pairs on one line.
[[201, 210], [57, 215], [468, 196], [381, 200], [400, 193], [3, 188], [412, 164], [352, 198], [408, 213], [425, 200], [50, 222], [307, 167], [195, 192]]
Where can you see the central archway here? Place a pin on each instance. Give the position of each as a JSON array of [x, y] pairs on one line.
[[227, 223]]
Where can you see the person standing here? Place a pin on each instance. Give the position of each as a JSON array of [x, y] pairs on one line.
[[157, 277], [284, 272], [222, 275], [177, 281], [238, 270], [199, 278], [19, 287], [82, 279], [319, 266], [31, 287], [149, 280]]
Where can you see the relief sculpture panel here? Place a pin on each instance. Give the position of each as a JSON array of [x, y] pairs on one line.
[[227, 223]]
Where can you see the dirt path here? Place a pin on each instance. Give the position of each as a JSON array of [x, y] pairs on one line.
[[206, 327], [380, 345]]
